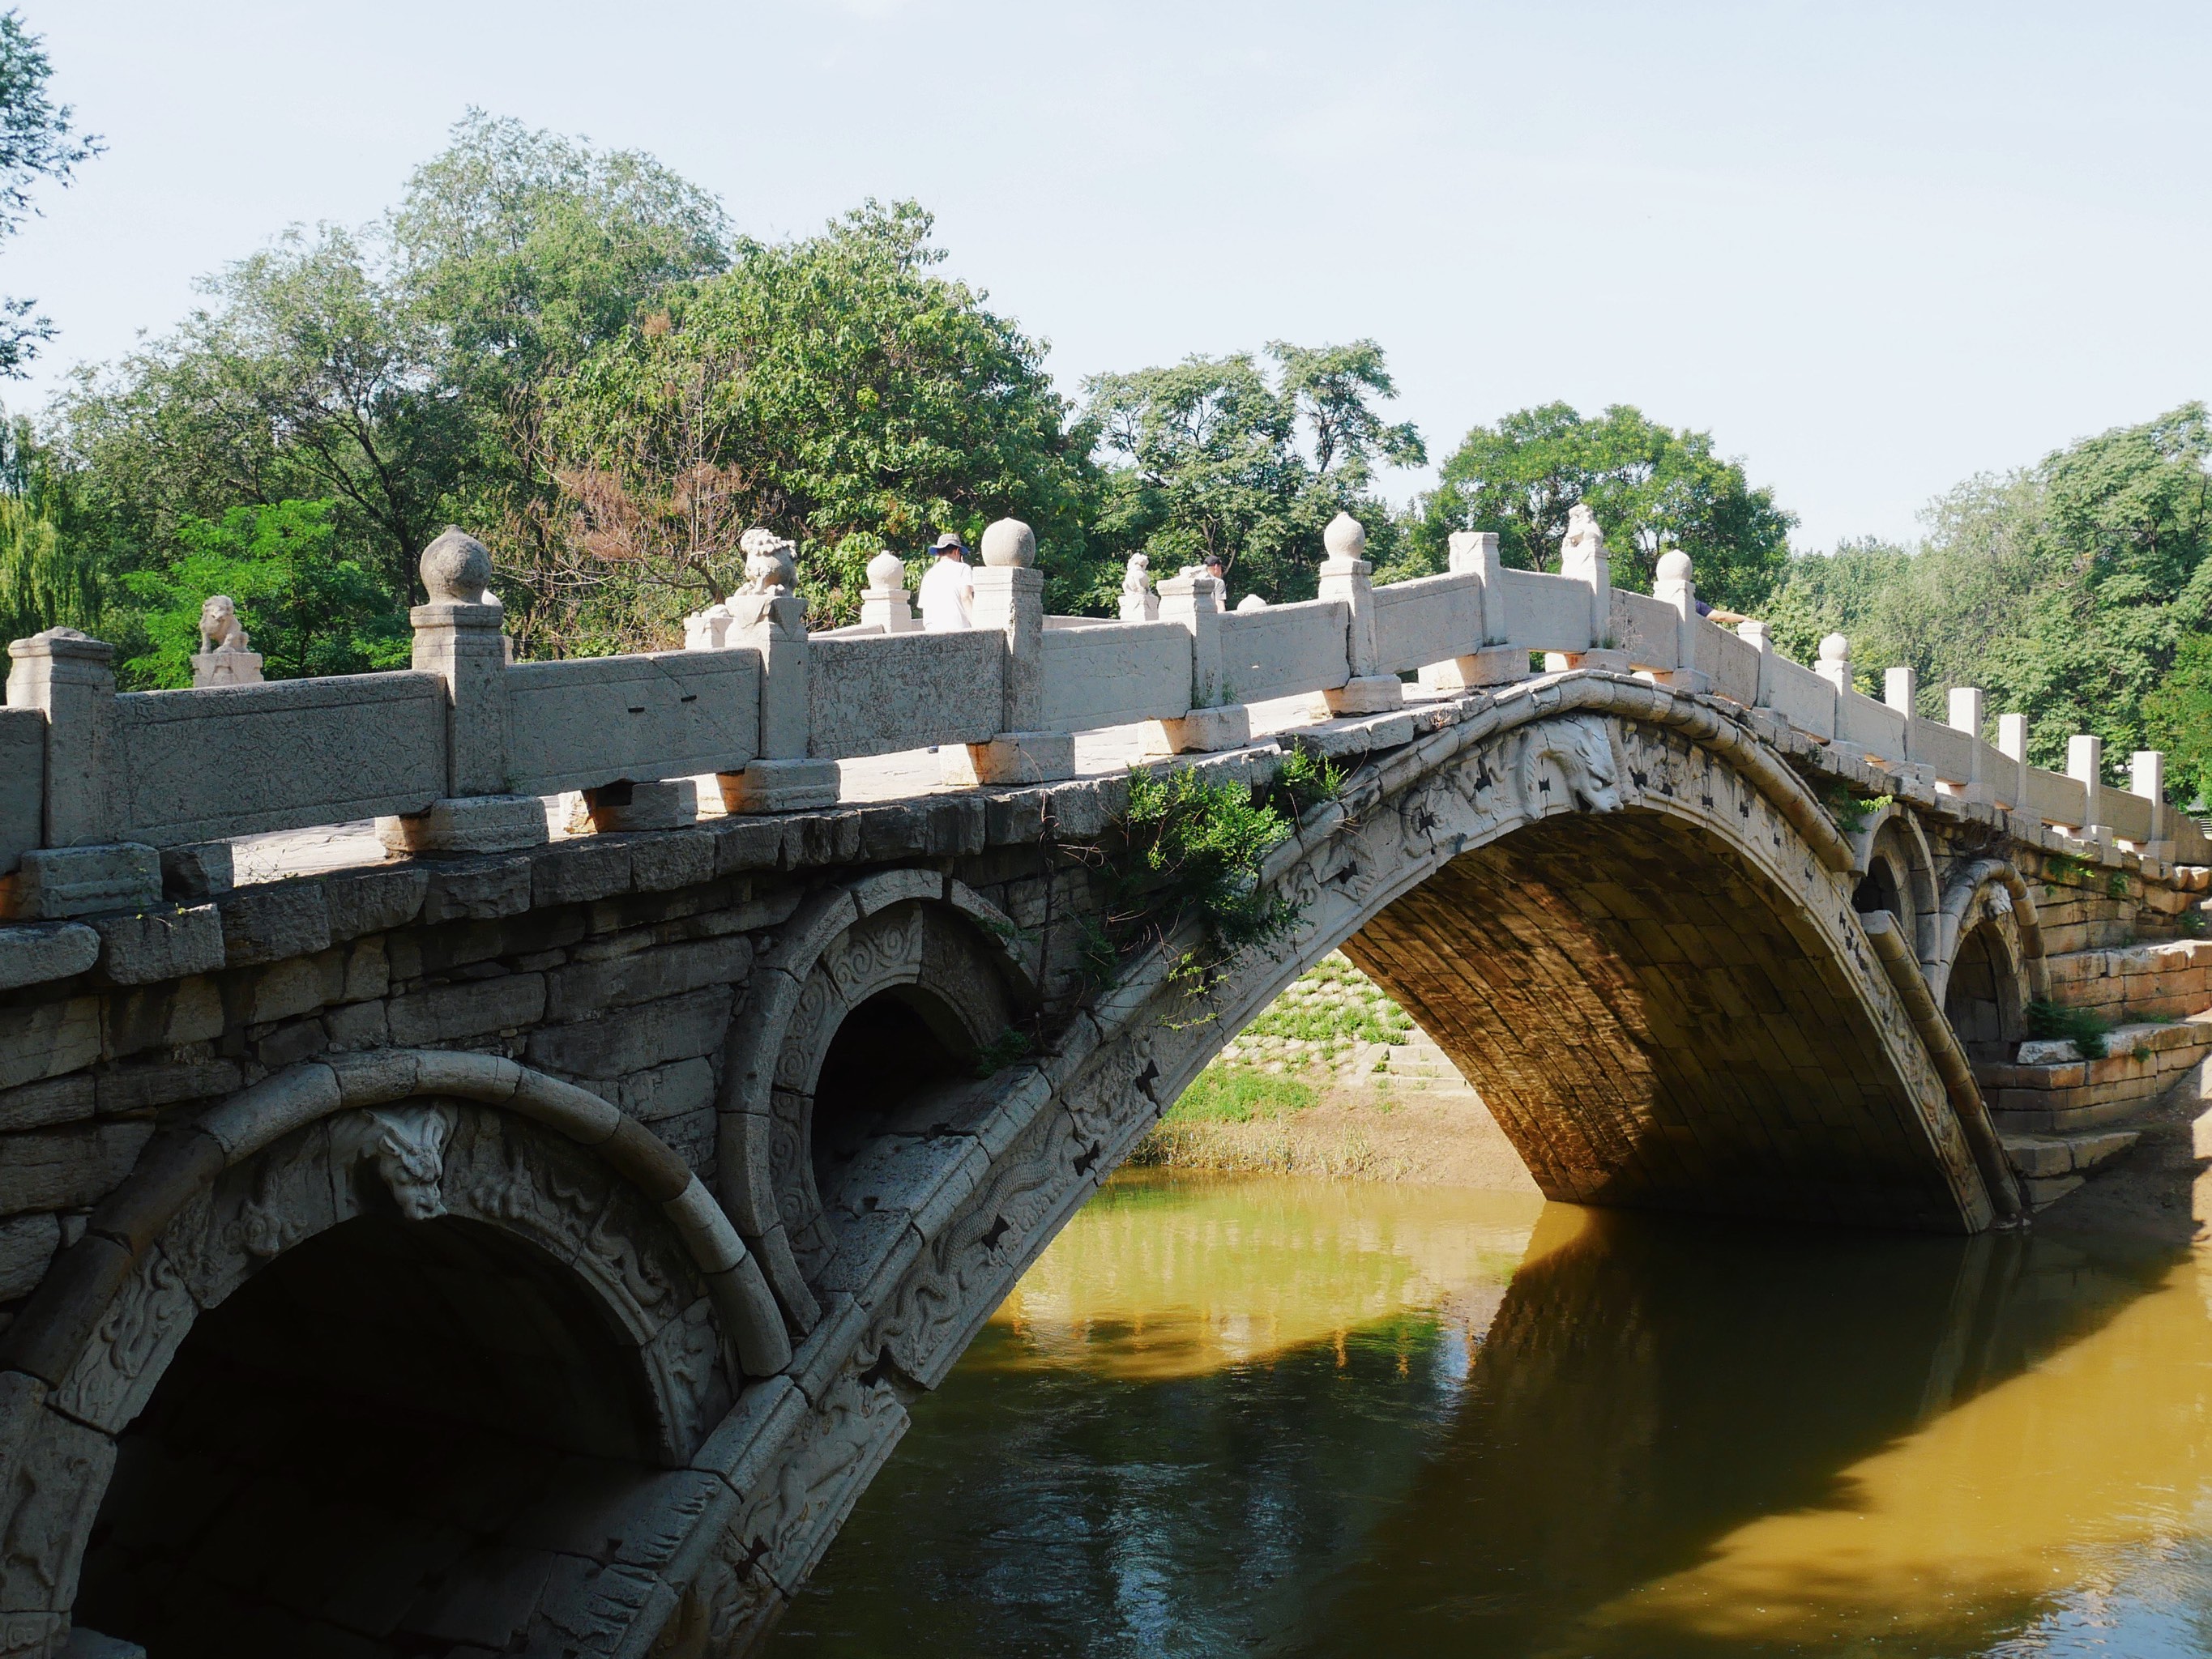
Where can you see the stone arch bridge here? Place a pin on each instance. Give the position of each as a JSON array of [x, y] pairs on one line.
[[537, 1249]]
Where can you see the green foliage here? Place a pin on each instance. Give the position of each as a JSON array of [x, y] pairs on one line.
[[2056, 1022], [2071, 592], [1217, 456], [1305, 779], [1651, 488], [1332, 1006], [1189, 849], [836, 389], [306, 612], [1002, 1051], [1222, 1093], [36, 140], [1850, 812]]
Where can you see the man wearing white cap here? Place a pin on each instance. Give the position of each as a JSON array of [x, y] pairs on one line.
[[948, 592]]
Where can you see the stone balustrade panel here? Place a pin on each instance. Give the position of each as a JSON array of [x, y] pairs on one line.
[[1798, 694], [900, 691], [241, 759], [2129, 814], [1647, 630], [1430, 619], [1284, 650], [1875, 726], [2054, 798], [657, 714], [1545, 612], [1950, 752], [1115, 674], [1730, 660]]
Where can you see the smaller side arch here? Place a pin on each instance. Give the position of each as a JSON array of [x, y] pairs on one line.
[[54, 1325], [1992, 891], [914, 938], [1897, 871]]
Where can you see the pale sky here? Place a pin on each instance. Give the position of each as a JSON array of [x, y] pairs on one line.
[[1872, 248]]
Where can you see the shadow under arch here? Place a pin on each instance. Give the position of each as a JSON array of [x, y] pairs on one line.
[[1654, 1023], [353, 1453]]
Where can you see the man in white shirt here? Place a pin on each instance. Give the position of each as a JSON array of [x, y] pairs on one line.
[[948, 592]]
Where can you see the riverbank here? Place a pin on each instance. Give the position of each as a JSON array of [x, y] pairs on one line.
[[1448, 1141]]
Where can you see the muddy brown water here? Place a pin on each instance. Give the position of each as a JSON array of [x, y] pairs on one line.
[[1236, 1415]]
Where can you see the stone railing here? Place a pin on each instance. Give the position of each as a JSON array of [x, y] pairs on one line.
[[110, 800]]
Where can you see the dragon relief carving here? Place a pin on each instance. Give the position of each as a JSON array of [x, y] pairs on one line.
[[406, 1148], [1577, 751]]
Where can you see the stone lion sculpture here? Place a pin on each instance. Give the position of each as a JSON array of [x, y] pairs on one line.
[[771, 564], [219, 626], [1581, 555]]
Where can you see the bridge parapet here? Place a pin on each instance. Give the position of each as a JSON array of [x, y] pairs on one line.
[[100, 791]]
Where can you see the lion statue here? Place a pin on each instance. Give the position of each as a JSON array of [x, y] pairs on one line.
[[219, 626], [1582, 553], [770, 566]]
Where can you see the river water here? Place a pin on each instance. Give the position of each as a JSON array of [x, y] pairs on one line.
[[1262, 1416]]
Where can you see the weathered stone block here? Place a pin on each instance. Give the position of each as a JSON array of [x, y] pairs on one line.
[[47, 1039], [270, 923], [289, 1044], [667, 1091], [780, 786], [666, 804], [479, 891], [373, 901], [1012, 757], [57, 1100], [27, 1244], [142, 1088], [204, 870], [631, 1040], [159, 944], [743, 844], [33, 956], [575, 872], [158, 1016], [471, 823], [443, 1012], [54, 882], [368, 971], [357, 1025], [677, 859], [68, 1167], [583, 989], [301, 986]]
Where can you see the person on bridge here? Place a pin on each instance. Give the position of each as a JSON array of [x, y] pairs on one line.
[[948, 592]]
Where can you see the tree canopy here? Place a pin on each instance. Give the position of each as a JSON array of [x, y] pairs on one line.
[[1224, 457], [2071, 591], [1650, 486], [38, 141]]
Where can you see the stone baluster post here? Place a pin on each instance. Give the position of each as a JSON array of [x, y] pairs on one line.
[[2010, 785], [885, 602], [1835, 662], [83, 865], [1494, 661], [1010, 601], [2147, 778], [783, 776], [1901, 688], [1964, 713], [1756, 634], [458, 637], [1194, 600], [1345, 579], [1676, 586], [2085, 760]]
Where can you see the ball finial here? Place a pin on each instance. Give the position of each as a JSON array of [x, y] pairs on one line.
[[1346, 537], [886, 573], [1835, 647], [456, 569], [1009, 542], [1674, 566]]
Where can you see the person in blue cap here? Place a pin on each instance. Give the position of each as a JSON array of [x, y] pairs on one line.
[[948, 592]]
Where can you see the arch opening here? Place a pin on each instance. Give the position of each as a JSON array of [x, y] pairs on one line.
[[891, 1048], [371, 1448], [1879, 891], [1655, 1023], [1982, 997]]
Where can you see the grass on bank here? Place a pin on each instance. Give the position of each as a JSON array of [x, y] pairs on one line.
[[1222, 1094]]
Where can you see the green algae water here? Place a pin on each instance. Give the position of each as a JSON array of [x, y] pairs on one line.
[[1263, 1416]]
